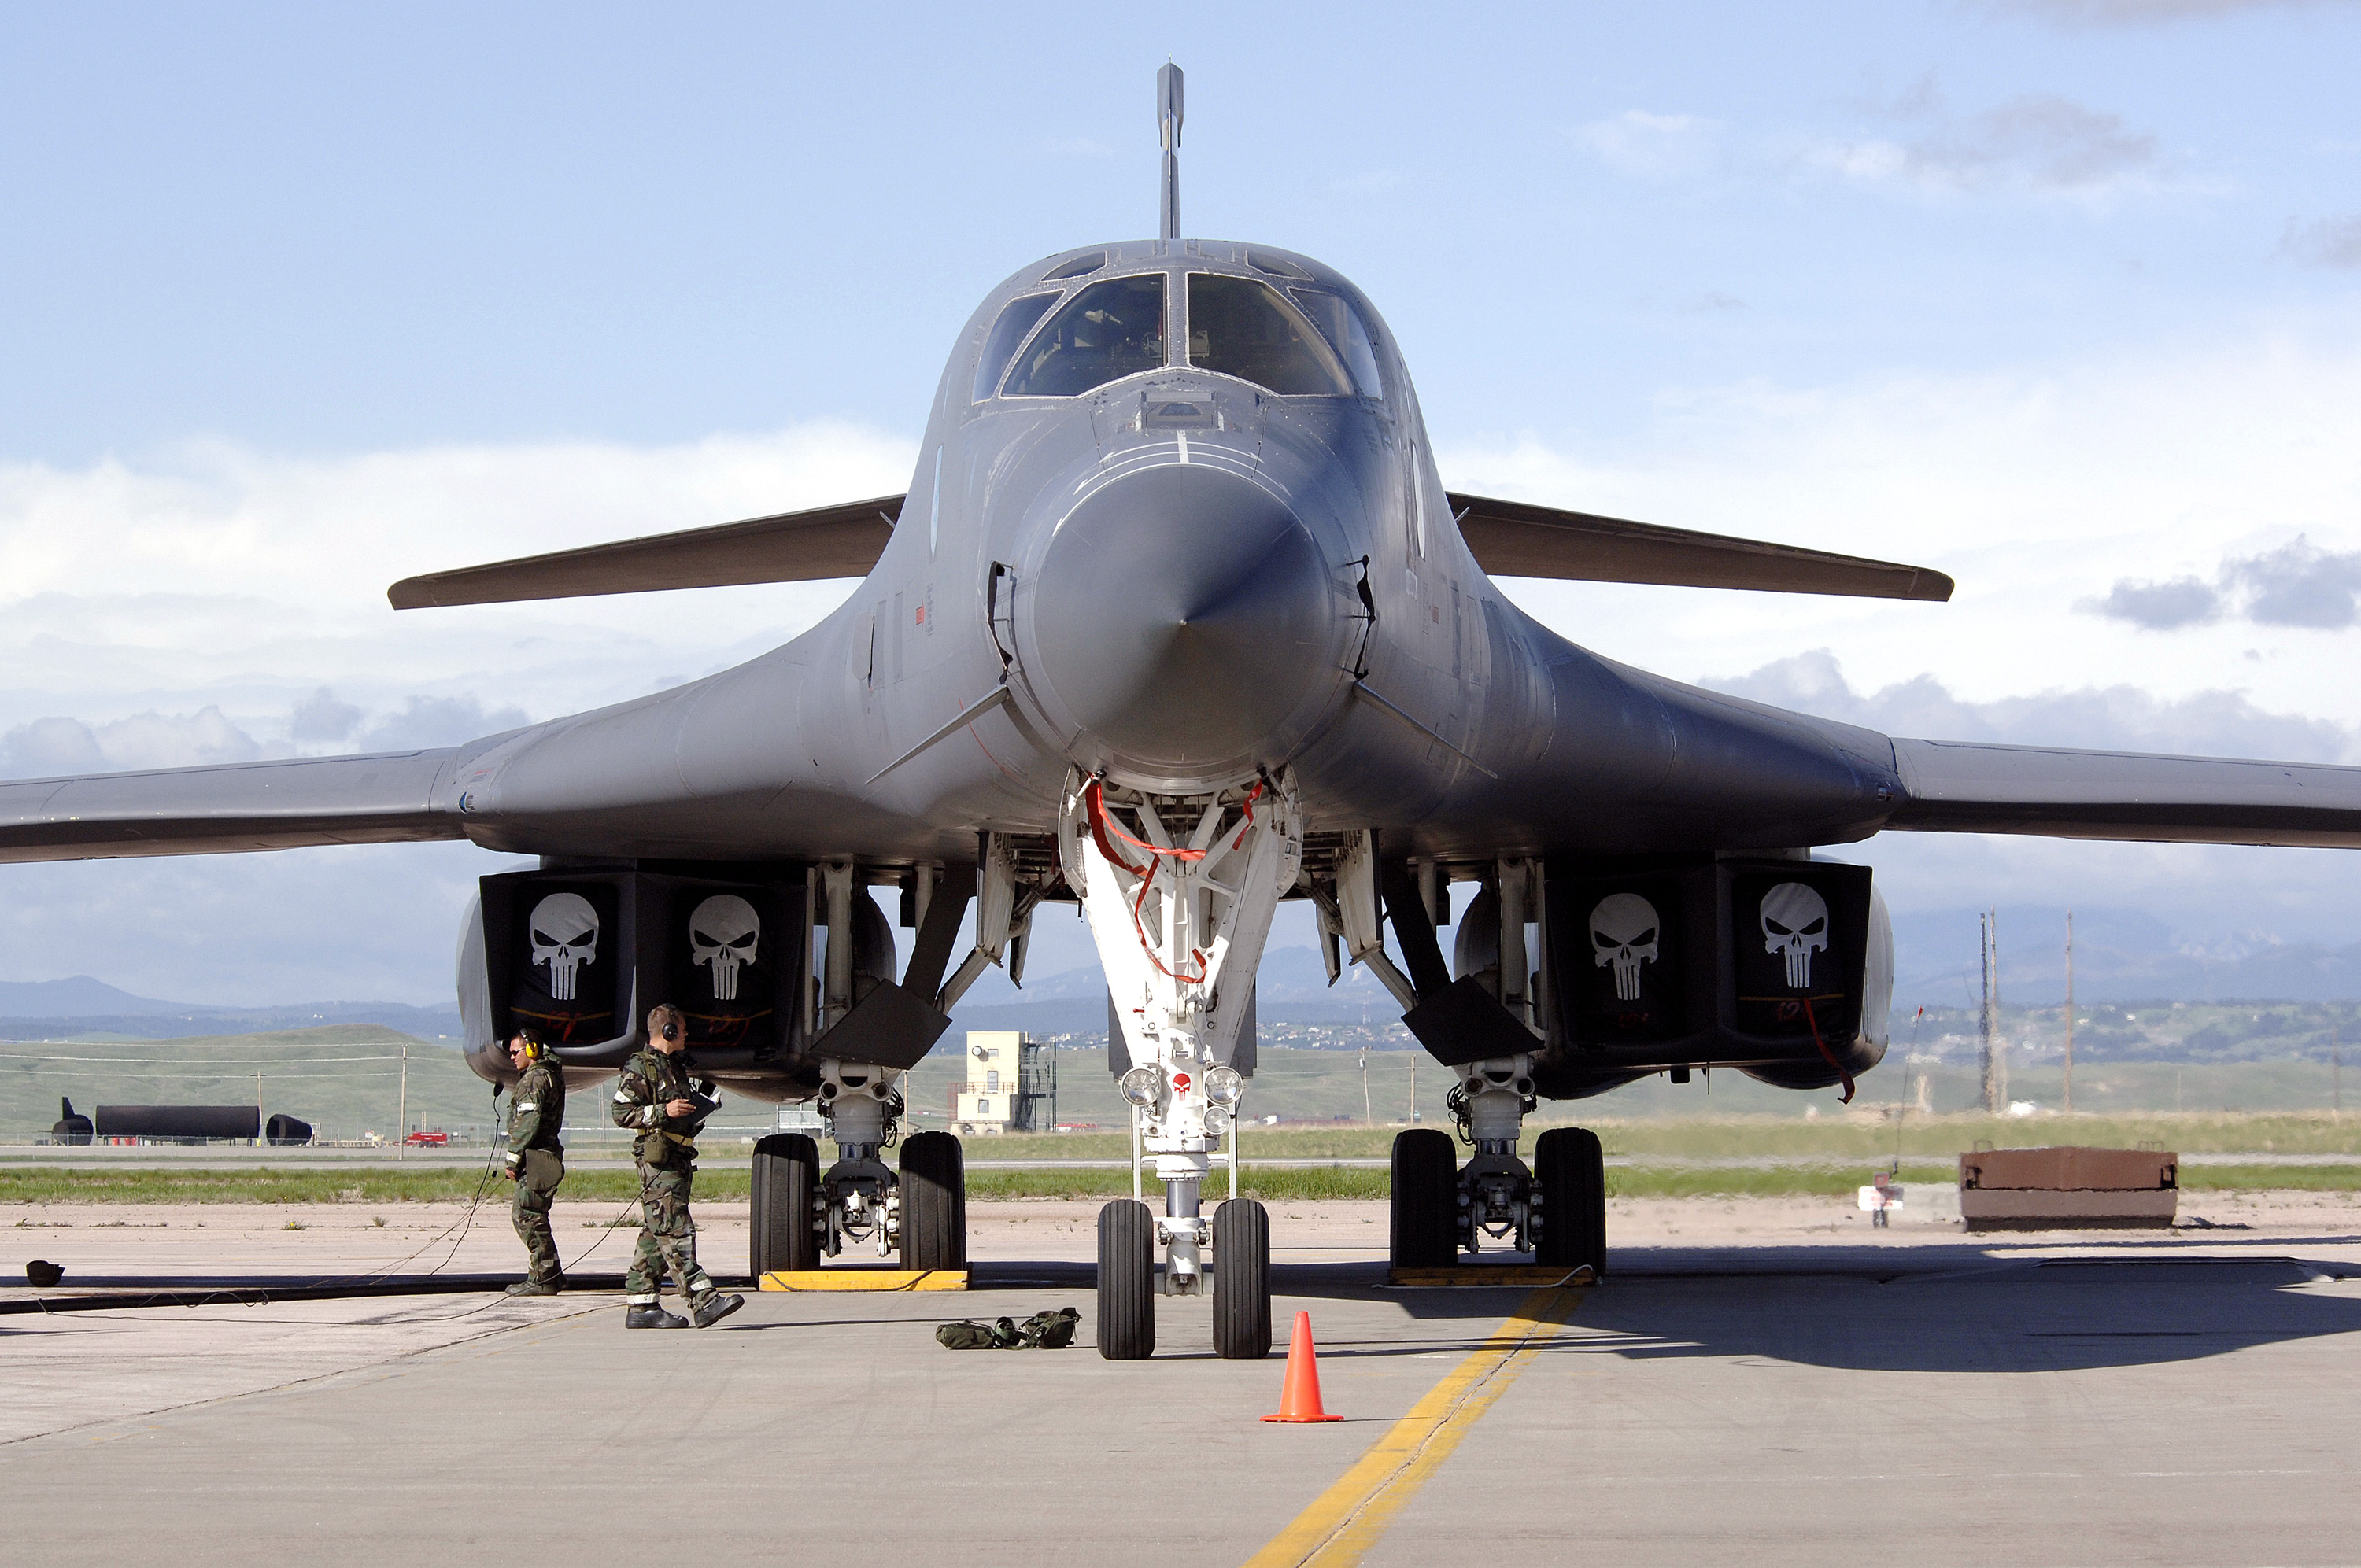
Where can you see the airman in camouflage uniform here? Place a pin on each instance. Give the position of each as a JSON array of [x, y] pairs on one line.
[[655, 1096], [535, 1160]]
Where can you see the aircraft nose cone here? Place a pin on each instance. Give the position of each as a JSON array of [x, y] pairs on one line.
[[1181, 615]]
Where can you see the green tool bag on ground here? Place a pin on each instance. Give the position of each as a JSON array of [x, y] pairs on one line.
[[965, 1336], [1042, 1331], [1049, 1330]]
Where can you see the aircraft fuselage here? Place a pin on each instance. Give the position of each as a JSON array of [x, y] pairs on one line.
[[1183, 578]]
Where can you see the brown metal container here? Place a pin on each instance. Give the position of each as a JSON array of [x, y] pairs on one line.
[[2068, 1188]]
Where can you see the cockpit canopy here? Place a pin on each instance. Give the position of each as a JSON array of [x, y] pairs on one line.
[[1110, 330], [1302, 340]]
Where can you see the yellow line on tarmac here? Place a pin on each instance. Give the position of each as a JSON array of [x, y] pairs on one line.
[[1347, 1519]]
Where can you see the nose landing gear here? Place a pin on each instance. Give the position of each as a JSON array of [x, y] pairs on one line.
[[1179, 894]]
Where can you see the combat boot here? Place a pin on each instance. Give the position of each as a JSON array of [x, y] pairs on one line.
[[652, 1316], [714, 1308], [537, 1286]]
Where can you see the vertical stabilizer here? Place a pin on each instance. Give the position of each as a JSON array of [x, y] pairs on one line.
[[1168, 130]]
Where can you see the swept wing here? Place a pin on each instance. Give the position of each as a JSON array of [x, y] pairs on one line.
[[383, 798], [1514, 539], [790, 547], [1951, 787]]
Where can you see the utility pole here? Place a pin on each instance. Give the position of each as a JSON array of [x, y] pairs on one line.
[[258, 1128], [1368, 1118], [1413, 1087], [1995, 1050], [2069, 1013], [401, 1129], [2336, 1082]]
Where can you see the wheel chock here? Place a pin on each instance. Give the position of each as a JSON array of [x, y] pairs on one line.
[[864, 1280]]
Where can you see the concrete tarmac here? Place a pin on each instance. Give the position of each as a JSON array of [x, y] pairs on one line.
[[1817, 1393]]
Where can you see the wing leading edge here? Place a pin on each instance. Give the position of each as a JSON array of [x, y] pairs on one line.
[[791, 547], [1952, 787], [384, 798], [1512, 539]]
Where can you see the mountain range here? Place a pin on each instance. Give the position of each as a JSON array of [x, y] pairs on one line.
[[2120, 954]]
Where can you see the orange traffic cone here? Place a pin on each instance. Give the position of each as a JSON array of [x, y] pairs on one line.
[[1299, 1400]]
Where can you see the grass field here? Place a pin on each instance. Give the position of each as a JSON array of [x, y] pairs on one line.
[[384, 1185], [349, 1080], [1867, 1136]]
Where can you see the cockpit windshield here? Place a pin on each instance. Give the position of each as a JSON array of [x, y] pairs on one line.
[[1108, 331], [1341, 325], [1239, 327], [1015, 320]]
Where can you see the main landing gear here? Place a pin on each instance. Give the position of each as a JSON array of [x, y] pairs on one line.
[[1180, 892], [919, 1214], [1555, 1210]]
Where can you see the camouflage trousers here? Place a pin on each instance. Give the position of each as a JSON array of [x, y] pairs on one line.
[[530, 1210], [668, 1239]]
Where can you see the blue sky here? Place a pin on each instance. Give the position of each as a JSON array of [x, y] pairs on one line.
[[2061, 296], [338, 229]]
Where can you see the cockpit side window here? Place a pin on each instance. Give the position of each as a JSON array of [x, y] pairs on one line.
[[1110, 330], [1239, 327], [1342, 325], [1017, 319]]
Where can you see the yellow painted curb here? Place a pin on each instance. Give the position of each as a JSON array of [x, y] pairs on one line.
[[865, 1279]]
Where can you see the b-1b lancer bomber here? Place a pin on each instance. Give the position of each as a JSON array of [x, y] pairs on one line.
[[1177, 620]]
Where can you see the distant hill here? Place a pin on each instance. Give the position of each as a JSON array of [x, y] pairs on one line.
[[2120, 954], [46, 1009]]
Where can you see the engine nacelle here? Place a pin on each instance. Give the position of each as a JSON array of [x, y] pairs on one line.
[[582, 955], [1781, 969]]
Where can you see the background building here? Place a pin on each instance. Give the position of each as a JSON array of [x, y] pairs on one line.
[[1011, 1085]]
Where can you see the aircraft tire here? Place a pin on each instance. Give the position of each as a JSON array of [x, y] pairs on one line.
[[1242, 1281], [934, 1202], [1423, 1212], [1127, 1315], [786, 1174], [1570, 1169]]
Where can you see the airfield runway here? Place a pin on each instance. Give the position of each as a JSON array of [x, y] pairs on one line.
[[1755, 1382]]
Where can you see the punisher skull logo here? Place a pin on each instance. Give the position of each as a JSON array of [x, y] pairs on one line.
[[1623, 934], [722, 934], [565, 936], [1795, 925]]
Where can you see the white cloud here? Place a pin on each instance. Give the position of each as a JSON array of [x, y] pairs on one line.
[[2324, 242], [438, 721], [320, 717], [53, 745], [2036, 490], [2295, 584], [215, 576], [2037, 142], [2116, 719], [1649, 146]]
